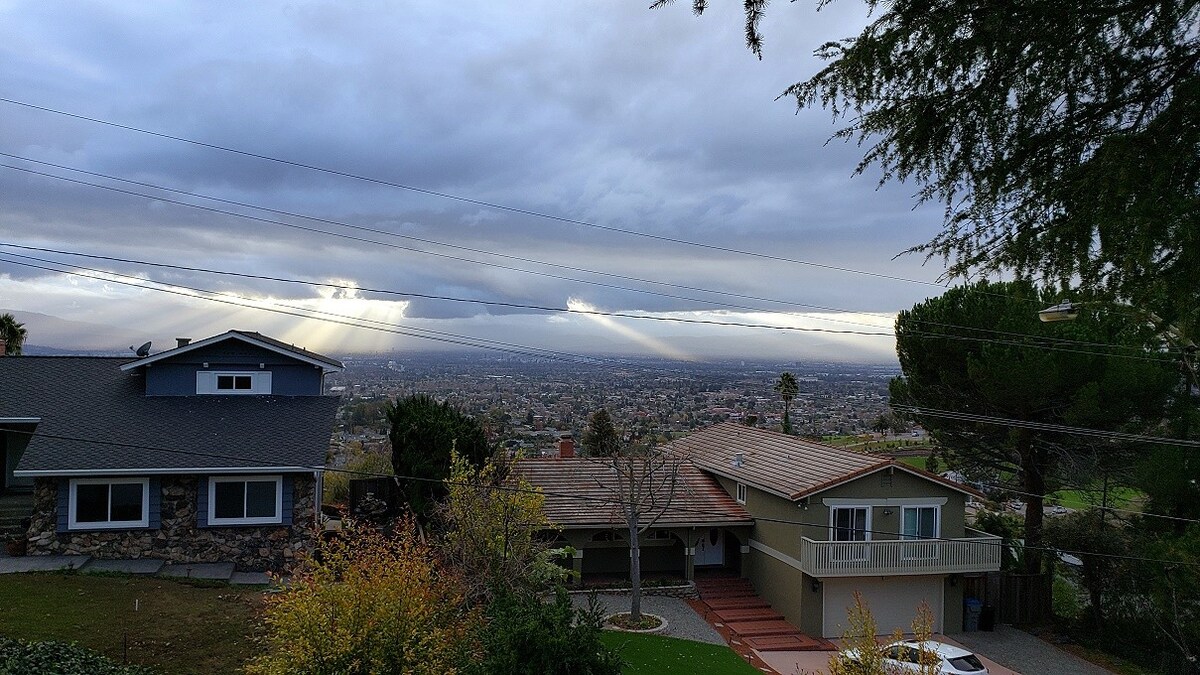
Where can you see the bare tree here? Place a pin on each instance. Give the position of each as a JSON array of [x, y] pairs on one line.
[[642, 483]]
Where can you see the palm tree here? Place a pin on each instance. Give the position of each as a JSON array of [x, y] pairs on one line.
[[787, 388], [13, 334]]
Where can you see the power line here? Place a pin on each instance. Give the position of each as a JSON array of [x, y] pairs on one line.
[[613, 501], [468, 200], [388, 233], [436, 336], [1038, 345], [627, 315], [1050, 339], [544, 308], [1064, 502], [1044, 426], [418, 250]]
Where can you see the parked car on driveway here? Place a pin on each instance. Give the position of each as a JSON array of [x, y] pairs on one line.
[[905, 657]]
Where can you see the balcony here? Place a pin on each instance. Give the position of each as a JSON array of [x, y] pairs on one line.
[[892, 557]]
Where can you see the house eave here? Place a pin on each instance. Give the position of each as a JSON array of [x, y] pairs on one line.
[[214, 470], [170, 353]]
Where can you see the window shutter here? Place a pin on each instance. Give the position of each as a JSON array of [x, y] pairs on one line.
[[155, 510], [64, 505], [286, 499], [202, 502]]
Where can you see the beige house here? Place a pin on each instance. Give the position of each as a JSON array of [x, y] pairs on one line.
[[807, 523]]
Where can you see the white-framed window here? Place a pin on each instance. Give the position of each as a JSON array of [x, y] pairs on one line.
[[108, 503], [920, 522], [850, 523], [245, 500], [233, 382], [921, 526], [741, 493]]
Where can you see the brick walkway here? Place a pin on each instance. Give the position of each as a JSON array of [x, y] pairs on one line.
[[747, 622]]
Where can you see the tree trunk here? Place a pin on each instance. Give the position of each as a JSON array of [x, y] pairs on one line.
[[635, 574], [1033, 467]]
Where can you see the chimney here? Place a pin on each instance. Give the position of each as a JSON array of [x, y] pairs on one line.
[[182, 342], [566, 446]]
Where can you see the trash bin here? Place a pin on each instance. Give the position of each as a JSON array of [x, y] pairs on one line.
[[973, 609], [987, 618]]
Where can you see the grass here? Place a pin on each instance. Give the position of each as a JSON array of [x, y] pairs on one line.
[[1118, 497], [919, 462], [177, 627], [652, 654]]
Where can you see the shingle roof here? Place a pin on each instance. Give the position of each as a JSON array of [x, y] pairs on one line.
[[249, 336], [92, 399], [578, 495]]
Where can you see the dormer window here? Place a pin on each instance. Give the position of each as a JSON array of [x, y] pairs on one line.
[[233, 382]]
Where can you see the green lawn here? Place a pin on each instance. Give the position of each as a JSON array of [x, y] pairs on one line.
[[1118, 497], [919, 462], [651, 654], [176, 627]]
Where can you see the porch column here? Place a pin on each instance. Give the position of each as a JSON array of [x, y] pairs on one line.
[[577, 566], [689, 563]]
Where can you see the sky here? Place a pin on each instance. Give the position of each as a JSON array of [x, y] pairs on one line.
[[608, 134]]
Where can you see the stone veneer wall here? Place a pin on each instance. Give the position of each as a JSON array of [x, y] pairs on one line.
[[271, 547]]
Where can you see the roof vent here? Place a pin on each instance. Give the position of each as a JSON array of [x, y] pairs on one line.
[[739, 458], [182, 342]]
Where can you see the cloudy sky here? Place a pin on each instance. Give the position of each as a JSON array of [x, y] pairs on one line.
[[588, 120]]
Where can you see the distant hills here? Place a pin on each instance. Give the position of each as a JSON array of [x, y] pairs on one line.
[[52, 336]]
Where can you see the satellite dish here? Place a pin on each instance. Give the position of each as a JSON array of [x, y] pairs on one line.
[[144, 350]]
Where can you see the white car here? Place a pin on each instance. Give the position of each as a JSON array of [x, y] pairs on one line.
[[904, 657]]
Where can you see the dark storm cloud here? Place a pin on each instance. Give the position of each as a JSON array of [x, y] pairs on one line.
[[656, 122]]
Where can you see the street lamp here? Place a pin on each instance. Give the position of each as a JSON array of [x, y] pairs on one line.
[[1069, 311], [1063, 311]]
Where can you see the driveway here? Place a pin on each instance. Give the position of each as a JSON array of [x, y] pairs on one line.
[[1026, 653], [682, 621], [814, 663], [1005, 651]]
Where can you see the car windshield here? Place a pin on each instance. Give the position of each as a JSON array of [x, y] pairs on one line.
[[969, 663]]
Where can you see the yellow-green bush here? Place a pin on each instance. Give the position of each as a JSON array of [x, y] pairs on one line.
[[368, 603]]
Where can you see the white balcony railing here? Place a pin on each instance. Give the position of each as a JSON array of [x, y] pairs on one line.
[[891, 557]]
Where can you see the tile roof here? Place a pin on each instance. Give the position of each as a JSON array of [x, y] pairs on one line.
[[578, 495], [92, 398], [785, 465]]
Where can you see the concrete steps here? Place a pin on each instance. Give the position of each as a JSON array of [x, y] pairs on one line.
[[736, 603], [749, 614], [749, 629], [734, 608]]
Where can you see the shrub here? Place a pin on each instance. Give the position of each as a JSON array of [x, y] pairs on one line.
[[527, 636], [358, 461], [368, 603], [57, 658]]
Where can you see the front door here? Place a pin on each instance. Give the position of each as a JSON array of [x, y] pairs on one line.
[[710, 550]]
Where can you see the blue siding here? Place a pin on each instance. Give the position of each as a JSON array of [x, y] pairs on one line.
[[202, 502], [64, 498], [177, 376], [155, 515], [287, 498]]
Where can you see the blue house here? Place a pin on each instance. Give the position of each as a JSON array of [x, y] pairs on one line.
[[211, 451]]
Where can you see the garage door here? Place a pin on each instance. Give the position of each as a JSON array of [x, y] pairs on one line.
[[893, 602]]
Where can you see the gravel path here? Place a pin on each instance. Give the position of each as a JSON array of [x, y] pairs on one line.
[[683, 622], [1025, 653]]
